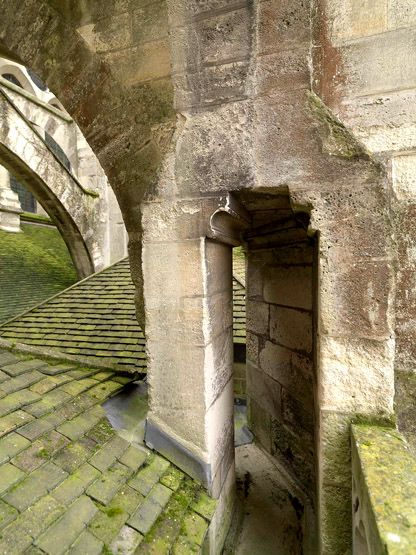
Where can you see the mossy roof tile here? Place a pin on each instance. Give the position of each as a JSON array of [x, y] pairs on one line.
[[95, 320]]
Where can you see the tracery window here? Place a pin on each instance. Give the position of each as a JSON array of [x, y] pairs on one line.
[[37, 80], [12, 79], [27, 200], [57, 150]]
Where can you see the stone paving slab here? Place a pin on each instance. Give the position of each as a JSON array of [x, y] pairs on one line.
[[69, 484]]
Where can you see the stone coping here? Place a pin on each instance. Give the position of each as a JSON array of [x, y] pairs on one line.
[[384, 471]]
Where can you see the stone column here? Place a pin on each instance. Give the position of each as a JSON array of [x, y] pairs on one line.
[[187, 266], [10, 208]]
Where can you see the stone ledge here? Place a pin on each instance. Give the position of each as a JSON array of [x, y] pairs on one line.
[[384, 480]]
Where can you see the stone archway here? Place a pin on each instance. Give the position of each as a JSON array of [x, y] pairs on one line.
[[73, 209], [72, 48]]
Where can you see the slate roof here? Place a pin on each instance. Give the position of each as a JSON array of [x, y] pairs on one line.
[[94, 322], [70, 484], [34, 265], [239, 312], [94, 319]]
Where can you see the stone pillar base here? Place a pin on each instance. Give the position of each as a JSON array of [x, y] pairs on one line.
[[9, 221], [174, 450], [10, 208]]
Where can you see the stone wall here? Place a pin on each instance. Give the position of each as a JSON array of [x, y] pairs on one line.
[[280, 366], [223, 103]]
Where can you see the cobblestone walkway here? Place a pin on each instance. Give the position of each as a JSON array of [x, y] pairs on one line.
[[70, 484]]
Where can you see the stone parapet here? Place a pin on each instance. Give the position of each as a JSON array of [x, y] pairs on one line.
[[383, 491]]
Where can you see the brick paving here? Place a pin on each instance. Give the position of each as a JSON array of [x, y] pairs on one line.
[[70, 484]]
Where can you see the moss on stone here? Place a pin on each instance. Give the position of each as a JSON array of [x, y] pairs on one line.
[[383, 420], [336, 138], [34, 265], [113, 511], [405, 405], [389, 470], [38, 218]]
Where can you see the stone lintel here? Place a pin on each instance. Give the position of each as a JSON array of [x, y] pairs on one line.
[[178, 454]]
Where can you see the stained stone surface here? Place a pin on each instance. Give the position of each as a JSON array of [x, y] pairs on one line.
[[70, 483], [94, 321], [270, 524]]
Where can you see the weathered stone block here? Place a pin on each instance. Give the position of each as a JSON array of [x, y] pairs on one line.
[[289, 286], [299, 418], [296, 456], [149, 61], [219, 83], [404, 180], [335, 449], [336, 520], [260, 424], [257, 317], [291, 328], [205, 138], [225, 36], [219, 422], [218, 366], [266, 392], [401, 13], [150, 22], [357, 18], [109, 33], [281, 72], [389, 69], [282, 25], [357, 375], [357, 298], [252, 345], [294, 371], [159, 261]]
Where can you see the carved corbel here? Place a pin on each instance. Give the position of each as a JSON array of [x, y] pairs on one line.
[[229, 221]]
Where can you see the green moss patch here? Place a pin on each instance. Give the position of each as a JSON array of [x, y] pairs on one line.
[[384, 469], [34, 265]]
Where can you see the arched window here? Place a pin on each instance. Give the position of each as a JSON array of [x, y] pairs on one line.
[[12, 79], [27, 200], [37, 80], [57, 150]]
